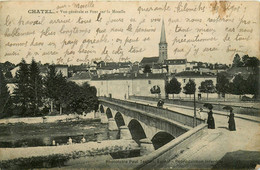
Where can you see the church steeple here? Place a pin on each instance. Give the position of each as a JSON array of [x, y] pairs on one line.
[[162, 45], [163, 37]]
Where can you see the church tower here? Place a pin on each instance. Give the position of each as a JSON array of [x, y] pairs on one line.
[[162, 45]]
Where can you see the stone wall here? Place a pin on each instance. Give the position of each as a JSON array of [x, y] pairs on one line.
[[47, 119]]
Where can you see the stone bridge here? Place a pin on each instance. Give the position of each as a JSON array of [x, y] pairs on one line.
[[144, 123]]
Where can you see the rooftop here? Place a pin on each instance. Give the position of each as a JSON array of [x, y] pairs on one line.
[[147, 60], [113, 65], [175, 61], [121, 76], [192, 74], [80, 76]]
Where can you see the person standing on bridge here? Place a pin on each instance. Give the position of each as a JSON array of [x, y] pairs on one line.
[[210, 121], [231, 121], [160, 103]]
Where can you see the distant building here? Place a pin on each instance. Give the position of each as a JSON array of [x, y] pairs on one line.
[[135, 68], [122, 85], [149, 61], [176, 65], [243, 71], [107, 68], [62, 69], [206, 67], [11, 85], [43, 70], [197, 77], [14, 70], [163, 46], [113, 67], [78, 68], [80, 78], [160, 63]]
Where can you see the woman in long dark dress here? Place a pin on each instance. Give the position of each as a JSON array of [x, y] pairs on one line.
[[160, 104], [211, 121], [231, 121]]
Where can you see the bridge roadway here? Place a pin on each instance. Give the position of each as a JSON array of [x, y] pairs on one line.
[[211, 148]]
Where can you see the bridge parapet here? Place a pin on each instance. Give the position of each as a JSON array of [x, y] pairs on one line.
[[149, 119], [169, 114]]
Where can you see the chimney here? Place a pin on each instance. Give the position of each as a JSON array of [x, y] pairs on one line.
[[124, 74], [200, 72], [147, 74], [135, 74]]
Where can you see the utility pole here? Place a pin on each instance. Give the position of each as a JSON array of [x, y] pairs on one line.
[[128, 90], [194, 119]]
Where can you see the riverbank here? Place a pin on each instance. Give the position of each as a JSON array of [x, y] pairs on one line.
[[27, 157], [49, 119]]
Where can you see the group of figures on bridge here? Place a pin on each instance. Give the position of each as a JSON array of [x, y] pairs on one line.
[[211, 121]]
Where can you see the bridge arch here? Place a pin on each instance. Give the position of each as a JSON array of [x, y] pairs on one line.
[[109, 113], [136, 130], [101, 109], [119, 119], [161, 138]]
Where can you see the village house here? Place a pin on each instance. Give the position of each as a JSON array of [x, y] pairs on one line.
[[80, 78], [63, 69], [122, 85], [197, 77], [176, 65], [161, 63]]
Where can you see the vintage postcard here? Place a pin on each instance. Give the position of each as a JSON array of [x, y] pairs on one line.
[[129, 85]]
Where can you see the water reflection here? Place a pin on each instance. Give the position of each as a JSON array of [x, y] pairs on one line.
[[88, 132]]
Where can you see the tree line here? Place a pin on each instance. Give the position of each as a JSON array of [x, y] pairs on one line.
[[237, 85], [37, 95]]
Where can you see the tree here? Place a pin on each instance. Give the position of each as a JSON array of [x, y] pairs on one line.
[[4, 94], [245, 59], [82, 98], [207, 87], [155, 90], [222, 85], [250, 61], [89, 96], [22, 91], [252, 85], [8, 75], [237, 61], [190, 87], [174, 87], [64, 92], [7, 66], [35, 88], [147, 69], [238, 86], [50, 84]]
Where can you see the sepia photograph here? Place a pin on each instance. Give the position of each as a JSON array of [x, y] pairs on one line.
[[129, 85]]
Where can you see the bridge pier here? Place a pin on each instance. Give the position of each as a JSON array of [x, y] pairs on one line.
[[146, 146], [112, 124], [125, 133], [103, 118], [113, 129], [97, 114]]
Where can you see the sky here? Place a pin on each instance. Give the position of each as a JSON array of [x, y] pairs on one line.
[[82, 32]]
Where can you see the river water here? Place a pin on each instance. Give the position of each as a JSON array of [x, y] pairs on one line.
[[44, 134]]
